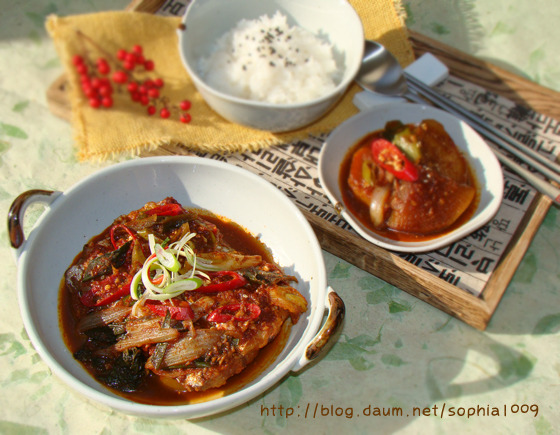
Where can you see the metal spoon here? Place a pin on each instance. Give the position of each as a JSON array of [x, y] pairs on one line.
[[381, 73]]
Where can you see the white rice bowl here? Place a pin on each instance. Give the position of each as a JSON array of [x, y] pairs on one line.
[[267, 60], [206, 21]]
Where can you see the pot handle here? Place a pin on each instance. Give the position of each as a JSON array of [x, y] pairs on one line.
[[17, 212], [333, 323]]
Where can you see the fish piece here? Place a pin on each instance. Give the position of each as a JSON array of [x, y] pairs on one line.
[[189, 348]]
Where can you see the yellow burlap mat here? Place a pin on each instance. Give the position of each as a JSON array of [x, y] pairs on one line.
[[127, 128]]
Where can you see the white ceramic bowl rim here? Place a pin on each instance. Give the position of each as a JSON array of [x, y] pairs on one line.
[[352, 70], [482, 159], [293, 360]]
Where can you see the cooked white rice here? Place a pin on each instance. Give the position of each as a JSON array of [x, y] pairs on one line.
[[268, 60]]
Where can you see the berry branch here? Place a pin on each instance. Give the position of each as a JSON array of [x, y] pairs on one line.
[[100, 78]]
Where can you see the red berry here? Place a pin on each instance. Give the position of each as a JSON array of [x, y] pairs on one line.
[[185, 105], [130, 57], [139, 59], [105, 90], [149, 65], [121, 54], [149, 84], [96, 82], [144, 100], [103, 68], [137, 49], [158, 83], [82, 68], [135, 96], [89, 91], [151, 110], [77, 59], [132, 87], [120, 77], [165, 113], [153, 93], [94, 102], [107, 101], [185, 118], [128, 65]]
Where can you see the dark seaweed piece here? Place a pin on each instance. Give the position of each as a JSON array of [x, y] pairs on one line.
[[104, 263], [127, 371], [123, 373], [99, 364], [118, 257], [103, 334], [98, 267], [170, 223]]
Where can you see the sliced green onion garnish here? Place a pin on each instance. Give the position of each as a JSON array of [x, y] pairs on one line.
[[164, 296], [166, 258], [151, 262], [167, 282], [151, 242], [135, 285], [183, 285]]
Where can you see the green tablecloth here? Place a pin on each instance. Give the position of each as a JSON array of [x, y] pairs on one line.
[[396, 354]]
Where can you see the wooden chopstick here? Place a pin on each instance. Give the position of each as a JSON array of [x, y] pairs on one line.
[[550, 169]]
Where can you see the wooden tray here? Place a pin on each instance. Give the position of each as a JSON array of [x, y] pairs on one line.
[[473, 310]]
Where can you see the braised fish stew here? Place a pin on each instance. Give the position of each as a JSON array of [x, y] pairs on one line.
[[169, 301]]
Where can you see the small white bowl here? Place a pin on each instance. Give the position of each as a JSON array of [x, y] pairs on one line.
[[74, 216], [332, 20], [481, 158]]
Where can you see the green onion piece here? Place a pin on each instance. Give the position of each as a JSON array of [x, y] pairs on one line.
[[166, 262], [151, 262], [408, 144], [166, 259], [135, 285], [187, 284]]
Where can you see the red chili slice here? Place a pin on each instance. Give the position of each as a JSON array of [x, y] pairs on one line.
[[166, 210], [389, 157], [176, 312], [238, 312], [233, 281], [114, 228]]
